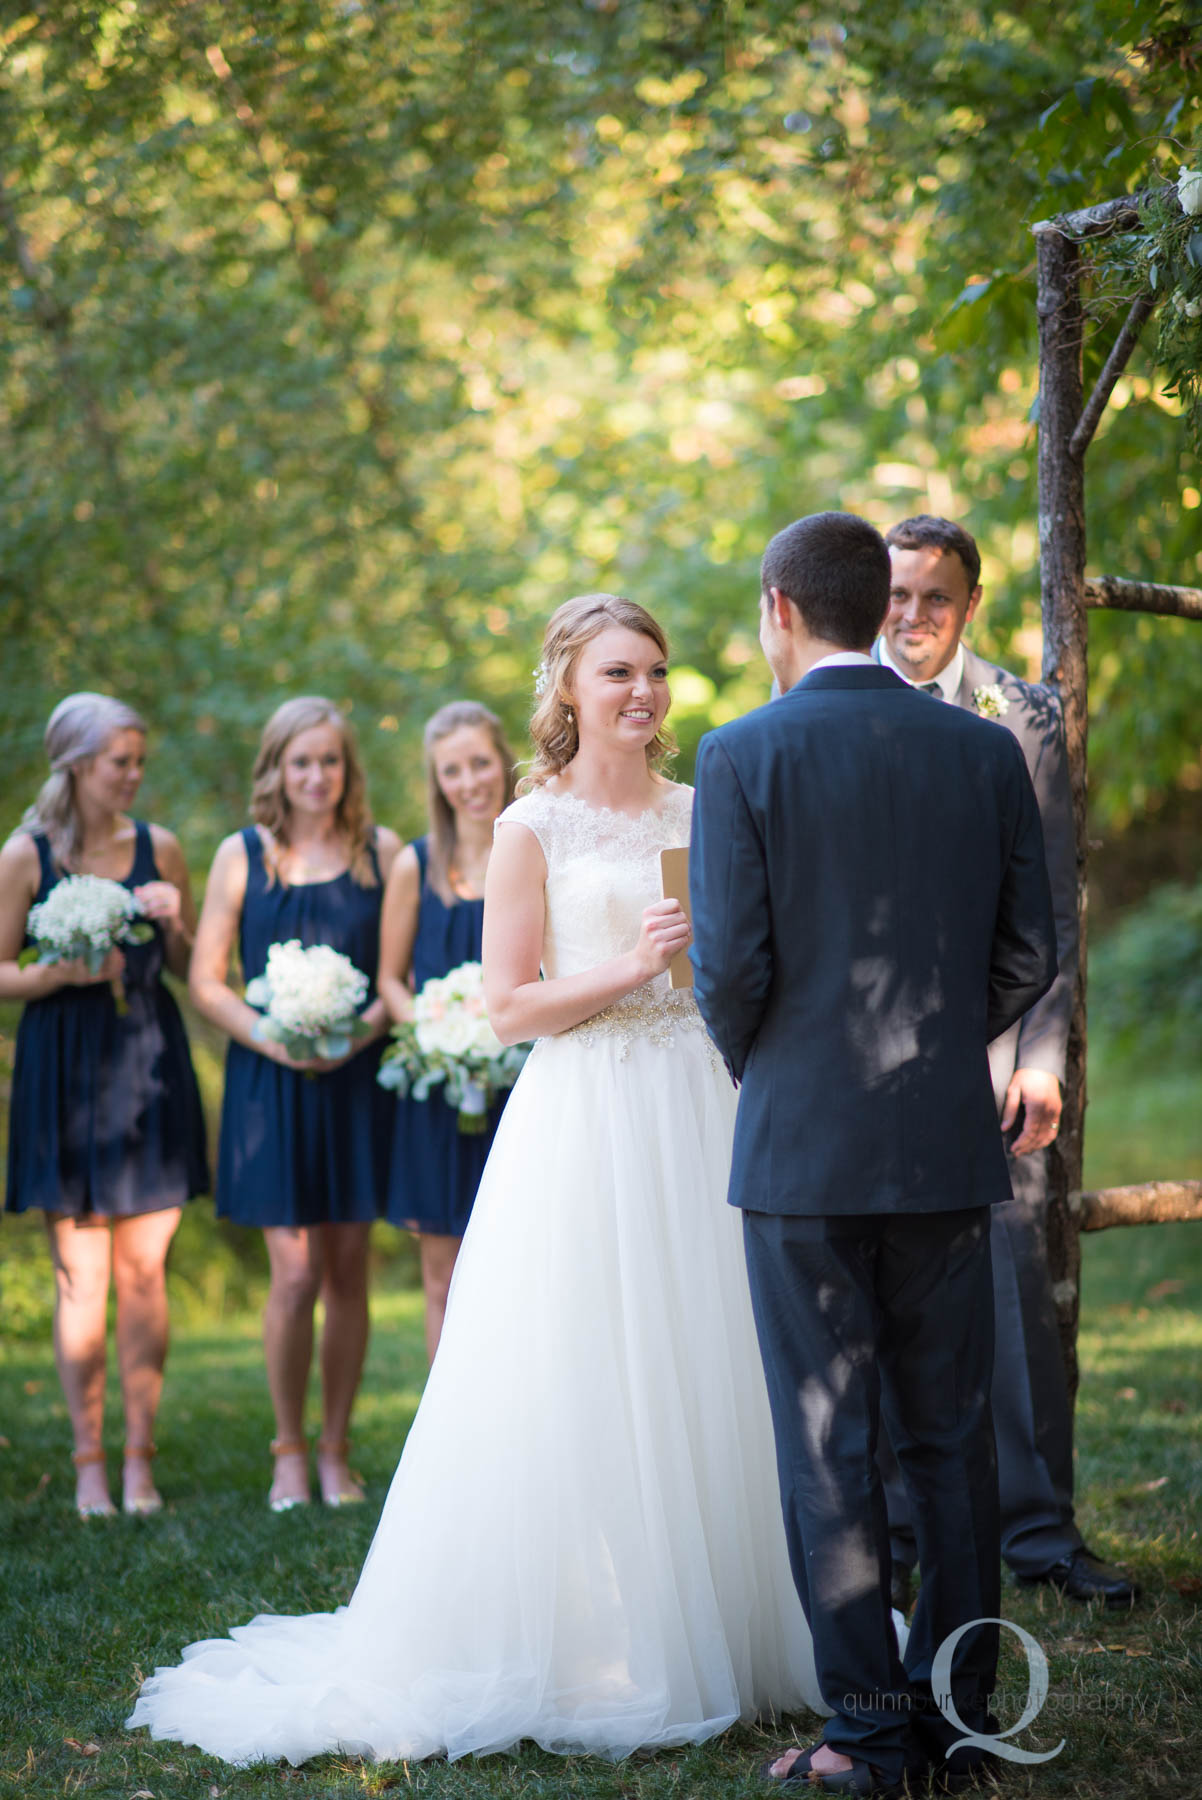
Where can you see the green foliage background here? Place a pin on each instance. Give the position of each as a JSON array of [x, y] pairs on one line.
[[343, 338]]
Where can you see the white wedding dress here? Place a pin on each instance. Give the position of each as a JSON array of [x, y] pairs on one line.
[[582, 1545]]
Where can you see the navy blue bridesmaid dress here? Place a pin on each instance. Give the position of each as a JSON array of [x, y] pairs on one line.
[[105, 1117], [436, 1168], [299, 1149]]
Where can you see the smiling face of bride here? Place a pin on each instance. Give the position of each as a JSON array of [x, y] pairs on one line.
[[619, 689]]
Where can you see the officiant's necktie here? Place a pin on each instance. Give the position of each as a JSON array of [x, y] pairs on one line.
[[933, 689]]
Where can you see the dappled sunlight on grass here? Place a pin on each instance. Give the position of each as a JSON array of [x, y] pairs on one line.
[[1142, 1126], [1126, 1690]]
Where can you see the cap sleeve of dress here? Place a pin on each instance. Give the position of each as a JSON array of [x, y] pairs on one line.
[[534, 811]]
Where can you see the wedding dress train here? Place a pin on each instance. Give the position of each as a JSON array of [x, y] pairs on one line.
[[582, 1544]]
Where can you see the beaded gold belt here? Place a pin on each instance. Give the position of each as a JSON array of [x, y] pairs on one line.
[[652, 1015]]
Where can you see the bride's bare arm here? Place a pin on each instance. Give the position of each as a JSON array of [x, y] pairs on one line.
[[520, 1006]]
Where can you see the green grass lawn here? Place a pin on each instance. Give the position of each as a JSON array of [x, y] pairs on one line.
[[87, 1609]]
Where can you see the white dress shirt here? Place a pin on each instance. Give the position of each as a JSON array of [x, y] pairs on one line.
[[948, 679], [842, 659]]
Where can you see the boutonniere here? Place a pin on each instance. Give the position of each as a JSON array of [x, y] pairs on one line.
[[990, 701]]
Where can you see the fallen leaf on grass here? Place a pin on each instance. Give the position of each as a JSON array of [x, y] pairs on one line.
[[88, 1749], [142, 1794], [1163, 1289], [1126, 1394], [1150, 1487], [4, 1444], [1187, 1586], [32, 1388]]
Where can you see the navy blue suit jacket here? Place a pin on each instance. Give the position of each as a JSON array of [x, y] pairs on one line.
[[870, 907]]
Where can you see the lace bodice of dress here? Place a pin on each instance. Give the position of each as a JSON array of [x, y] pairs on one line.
[[602, 870]]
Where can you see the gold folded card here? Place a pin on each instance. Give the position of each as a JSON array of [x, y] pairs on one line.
[[674, 880]]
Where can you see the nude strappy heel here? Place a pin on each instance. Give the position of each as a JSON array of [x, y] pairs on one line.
[[97, 1509], [141, 1506], [331, 1494], [282, 1503]]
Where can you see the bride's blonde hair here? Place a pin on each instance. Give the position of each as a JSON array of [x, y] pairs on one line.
[[78, 729], [553, 725]]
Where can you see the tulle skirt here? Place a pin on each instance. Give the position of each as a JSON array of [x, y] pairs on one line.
[[582, 1545]]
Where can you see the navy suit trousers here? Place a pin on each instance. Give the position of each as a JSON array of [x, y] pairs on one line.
[[860, 1317]]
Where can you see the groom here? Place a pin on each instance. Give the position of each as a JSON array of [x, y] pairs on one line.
[[870, 909]]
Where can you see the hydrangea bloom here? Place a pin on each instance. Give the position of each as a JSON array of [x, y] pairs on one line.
[[310, 998]]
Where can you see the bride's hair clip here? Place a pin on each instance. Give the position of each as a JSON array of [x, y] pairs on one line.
[[541, 676]]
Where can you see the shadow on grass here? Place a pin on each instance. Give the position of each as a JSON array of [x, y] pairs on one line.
[[89, 1609]]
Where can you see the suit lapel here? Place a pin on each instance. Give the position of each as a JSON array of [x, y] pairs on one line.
[[977, 673]]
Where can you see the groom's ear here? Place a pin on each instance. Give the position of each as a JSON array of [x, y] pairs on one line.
[[781, 608]]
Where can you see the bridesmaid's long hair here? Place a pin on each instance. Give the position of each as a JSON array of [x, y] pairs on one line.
[[553, 725], [78, 729], [268, 807], [441, 842]]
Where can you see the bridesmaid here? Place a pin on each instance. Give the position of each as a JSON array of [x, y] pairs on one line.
[[432, 921], [304, 1145], [106, 1134]]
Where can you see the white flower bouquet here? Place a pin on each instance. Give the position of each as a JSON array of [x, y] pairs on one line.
[[85, 916], [450, 1043], [309, 999]]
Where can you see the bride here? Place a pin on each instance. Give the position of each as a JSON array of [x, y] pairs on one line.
[[582, 1544]]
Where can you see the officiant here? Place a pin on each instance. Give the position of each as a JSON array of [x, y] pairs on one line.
[[934, 595]]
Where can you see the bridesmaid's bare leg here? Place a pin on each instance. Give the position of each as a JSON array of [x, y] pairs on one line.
[[438, 1265], [295, 1254], [140, 1247], [80, 1251], [343, 1348]]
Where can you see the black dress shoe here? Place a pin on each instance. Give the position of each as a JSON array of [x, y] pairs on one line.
[[901, 1587], [1084, 1576]]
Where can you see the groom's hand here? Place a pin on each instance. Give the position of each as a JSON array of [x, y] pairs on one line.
[[1038, 1094], [665, 932]]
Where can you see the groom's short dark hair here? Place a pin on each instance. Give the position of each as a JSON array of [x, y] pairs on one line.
[[834, 567]]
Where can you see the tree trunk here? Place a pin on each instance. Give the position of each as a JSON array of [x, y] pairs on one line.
[[1062, 576]]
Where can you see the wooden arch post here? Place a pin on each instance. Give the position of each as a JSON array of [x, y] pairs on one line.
[[1067, 423]]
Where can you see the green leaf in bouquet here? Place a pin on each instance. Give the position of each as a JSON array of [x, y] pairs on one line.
[[332, 1045], [28, 955], [139, 934], [268, 1032], [394, 1076]]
